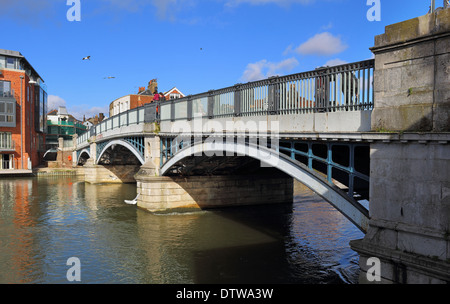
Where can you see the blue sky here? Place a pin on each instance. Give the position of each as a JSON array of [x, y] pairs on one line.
[[195, 45]]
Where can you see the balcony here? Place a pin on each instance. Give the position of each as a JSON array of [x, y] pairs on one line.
[[66, 124], [7, 146], [7, 94]]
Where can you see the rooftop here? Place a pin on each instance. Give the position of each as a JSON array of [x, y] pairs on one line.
[[17, 54]]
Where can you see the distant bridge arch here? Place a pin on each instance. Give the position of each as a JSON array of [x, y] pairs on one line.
[[84, 151], [123, 143]]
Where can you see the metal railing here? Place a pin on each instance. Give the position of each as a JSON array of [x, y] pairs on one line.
[[66, 124], [347, 87], [7, 147], [9, 93], [144, 114]]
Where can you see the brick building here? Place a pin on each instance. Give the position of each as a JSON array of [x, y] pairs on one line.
[[23, 108], [144, 96], [61, 124]]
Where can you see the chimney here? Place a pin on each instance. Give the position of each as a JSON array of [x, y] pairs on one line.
[[152, 86], [141, 89]]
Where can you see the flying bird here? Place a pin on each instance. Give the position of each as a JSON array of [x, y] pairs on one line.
[[109, 77], [87, 58]]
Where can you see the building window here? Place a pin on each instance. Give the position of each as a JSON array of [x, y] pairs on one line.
[[10, 63], [7, 114], [175, 96], [40, 110], [5, 89], [6, 141]]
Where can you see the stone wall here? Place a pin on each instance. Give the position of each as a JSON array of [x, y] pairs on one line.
[[110, 174], [168, 194], [409, 228], [412, 75]]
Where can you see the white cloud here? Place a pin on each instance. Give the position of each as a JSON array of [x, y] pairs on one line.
[[264, 69], [81, 111], [328, 26], [128, 5], [54, 102], [28, 11], [335, 62], [288, 50], [322, 44]]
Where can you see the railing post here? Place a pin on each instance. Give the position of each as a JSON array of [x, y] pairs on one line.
[[237, 99], [149, 113], [172, 110], [322, 85], [189, 107], [210, 104], [274, 96]]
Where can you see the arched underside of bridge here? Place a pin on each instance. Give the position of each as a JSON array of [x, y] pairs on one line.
[[83, 157], [119, 152], [234, 158], [50, 155]]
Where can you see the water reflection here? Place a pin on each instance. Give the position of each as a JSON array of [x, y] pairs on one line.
[[45, 221]]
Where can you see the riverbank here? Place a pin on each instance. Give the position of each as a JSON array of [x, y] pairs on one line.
[[18, 173], [45, 171]]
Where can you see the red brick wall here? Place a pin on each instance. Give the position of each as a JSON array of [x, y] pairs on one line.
[[139, 100], [30, 136]]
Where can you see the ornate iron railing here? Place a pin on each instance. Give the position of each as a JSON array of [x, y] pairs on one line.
[[347, 87]]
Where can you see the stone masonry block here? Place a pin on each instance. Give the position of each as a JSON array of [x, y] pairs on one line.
[[420, 244]]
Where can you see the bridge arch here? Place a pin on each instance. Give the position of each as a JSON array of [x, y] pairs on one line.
[[123, 143], [50, 154], [349, 207], [84, 151]]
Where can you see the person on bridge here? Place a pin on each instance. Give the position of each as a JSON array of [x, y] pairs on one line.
[[155, 96], [162, 97]]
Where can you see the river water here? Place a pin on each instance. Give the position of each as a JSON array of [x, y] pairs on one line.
[[44, 221]]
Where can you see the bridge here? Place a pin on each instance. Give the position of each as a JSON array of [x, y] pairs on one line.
[[373, 131], [220, 132]]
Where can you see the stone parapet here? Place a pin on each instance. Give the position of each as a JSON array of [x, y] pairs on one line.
[[412, 75]]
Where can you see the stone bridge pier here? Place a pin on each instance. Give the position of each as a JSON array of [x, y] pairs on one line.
[[409, 230], [175, 193], [116, 165]]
